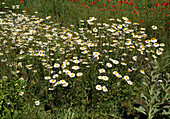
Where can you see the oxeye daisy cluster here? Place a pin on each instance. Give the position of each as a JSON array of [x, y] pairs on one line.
[[118, 48]]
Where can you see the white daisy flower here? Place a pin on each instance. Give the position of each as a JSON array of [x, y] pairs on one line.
[[142, 71], [75, 67], [62, 81], [72, 75], [119, 76], [56, 65], [130, 82], [158, 52], [115, 61], [55, 76], [76, 61], [153, 40], [47, 77], [109, 65], [96, 53], [102, 70], [37, 102], [63, 65], [162, 44], [105, 78], [123, 63], [21, 93], [126, 78], [154, 27], [154, 56], [104, 89], [79, 74], [98, 87], [100, 77], [115, 73], [65, 84], [134, 58], [95, 30], [52, 81]]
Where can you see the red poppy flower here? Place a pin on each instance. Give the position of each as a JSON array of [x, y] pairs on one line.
[[71, 0], [135, 12], [22, 1], [137, 7], [104, 5], [166, 4], [97, 0], [108, 0], [166, 15], [115, 6], [156, 4], [131, 3], [84, 2], [122, 10], [92, 3], [151, 8], [142, 21]]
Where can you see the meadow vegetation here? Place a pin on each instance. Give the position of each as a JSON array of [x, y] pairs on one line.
[[84, 59]]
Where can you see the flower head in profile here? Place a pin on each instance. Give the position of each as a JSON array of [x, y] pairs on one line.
[[75, 67], [158, 52], [154, 27], [65, 84], [134, 58], [115, 61], [142, 71], [21, 93], [130, 82], [109, 65], [104, 89]]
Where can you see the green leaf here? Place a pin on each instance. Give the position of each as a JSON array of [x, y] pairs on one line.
[[143, 96], [155, 111], [165, 112], [146, 84], [15, 114], [141, 109], [166, 107]]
